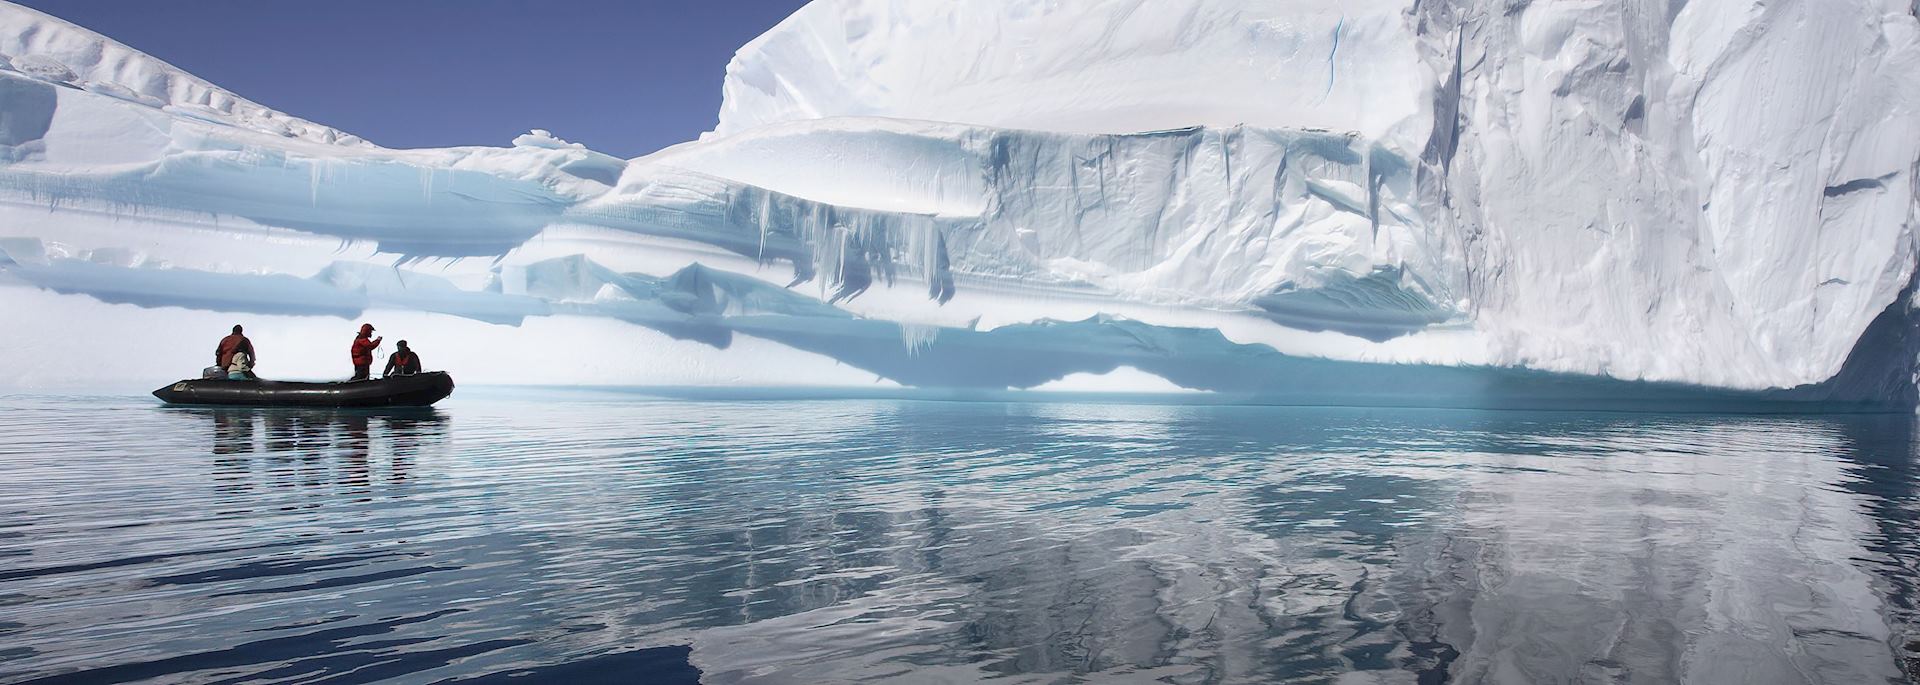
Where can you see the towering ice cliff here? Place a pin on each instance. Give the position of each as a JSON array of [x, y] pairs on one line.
[[1718, 192], [1386, 202]]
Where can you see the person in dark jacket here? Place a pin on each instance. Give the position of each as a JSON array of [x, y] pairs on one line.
[[403, 361], [223, 355], [362, 351]]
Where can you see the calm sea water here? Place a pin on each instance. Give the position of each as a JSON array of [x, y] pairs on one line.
[[601, 538]]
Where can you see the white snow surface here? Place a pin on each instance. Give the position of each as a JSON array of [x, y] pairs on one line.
[[1006, 193], [1113, 66], [53, 50]]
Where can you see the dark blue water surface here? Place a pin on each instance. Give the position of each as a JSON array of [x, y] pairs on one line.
[[608, 538]]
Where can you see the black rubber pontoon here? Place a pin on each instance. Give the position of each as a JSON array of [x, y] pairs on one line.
[[417, 390]]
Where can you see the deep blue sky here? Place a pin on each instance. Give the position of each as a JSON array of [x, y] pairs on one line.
[[625, 77]]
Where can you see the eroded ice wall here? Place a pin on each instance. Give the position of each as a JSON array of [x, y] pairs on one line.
[[1714, 191], [1666, 187], [1272, 199], [1312, 228]]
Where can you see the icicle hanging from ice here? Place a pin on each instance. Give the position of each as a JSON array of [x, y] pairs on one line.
[[313, 180], [918, 337], [765, 224]]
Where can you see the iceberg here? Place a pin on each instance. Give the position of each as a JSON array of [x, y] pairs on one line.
[[1383, 202]]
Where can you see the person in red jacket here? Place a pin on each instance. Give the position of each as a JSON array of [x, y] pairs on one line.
[[223, 355], [363, 345]]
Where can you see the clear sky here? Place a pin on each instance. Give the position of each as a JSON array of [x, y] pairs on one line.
[[625, 77]]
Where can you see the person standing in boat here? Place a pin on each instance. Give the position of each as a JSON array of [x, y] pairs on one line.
[[234, 343], [363, 345], [403, 361]]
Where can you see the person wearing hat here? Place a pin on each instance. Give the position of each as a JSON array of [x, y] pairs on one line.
[[403, 361], [363, 345]]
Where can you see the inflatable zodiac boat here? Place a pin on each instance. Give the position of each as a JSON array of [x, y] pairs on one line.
[[416, 390]]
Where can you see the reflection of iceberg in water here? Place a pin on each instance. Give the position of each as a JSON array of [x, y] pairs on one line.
[[909, 541], [1884, 476], [1478, 548], [1699, 551], [1240, 545]]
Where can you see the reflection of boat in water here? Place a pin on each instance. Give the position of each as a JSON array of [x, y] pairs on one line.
[[416, 390], [257, 450]]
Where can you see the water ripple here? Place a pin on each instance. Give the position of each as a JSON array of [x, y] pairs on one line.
[[587, 538]]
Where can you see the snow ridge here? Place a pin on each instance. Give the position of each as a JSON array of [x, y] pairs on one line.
[[52, 50]]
